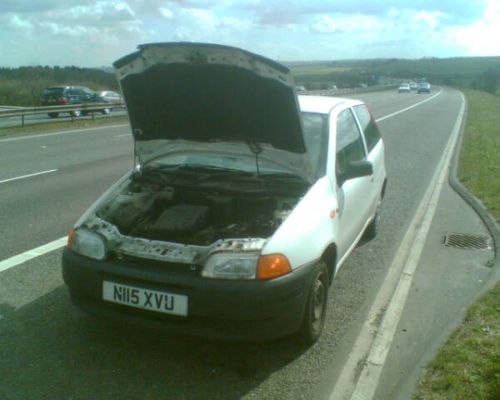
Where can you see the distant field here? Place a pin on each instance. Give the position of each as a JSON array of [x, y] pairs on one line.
[[464, 72], [318, 69]]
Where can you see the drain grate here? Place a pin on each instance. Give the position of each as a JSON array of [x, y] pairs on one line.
[[467, 241]]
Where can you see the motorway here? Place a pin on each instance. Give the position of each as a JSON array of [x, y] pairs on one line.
[[50, 350]]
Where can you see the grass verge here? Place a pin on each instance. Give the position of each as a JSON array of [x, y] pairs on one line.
[[46, 127], [479, 167], [468, 366]]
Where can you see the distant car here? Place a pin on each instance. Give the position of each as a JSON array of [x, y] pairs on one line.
[[332, 87], [108, 96], [424, 87], [300, 89], [68, 95], [404, 88], [413, 86]]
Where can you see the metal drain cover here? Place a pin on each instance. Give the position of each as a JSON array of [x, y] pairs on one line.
[[467, 241]]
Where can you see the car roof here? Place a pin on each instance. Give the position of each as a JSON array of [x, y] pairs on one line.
[[324, 104]]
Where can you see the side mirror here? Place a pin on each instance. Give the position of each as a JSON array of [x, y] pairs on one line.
[[355, 169]]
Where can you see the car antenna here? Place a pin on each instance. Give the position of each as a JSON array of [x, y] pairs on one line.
[[256, 149]]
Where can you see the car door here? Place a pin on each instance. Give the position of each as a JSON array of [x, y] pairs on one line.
[[352, 195], [375, 150]]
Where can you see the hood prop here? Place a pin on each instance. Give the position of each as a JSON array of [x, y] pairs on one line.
[[256, 149]]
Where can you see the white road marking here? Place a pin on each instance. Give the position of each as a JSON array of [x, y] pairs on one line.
[[124, 134], [372, 346], [62, 132], [33, 253], [409, 108], [28, 176]]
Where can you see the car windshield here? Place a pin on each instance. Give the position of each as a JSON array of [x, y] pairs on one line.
[[52, 92], [315, 136]]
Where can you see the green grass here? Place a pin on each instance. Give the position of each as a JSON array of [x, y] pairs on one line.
[[34, 129], [479, 168], [468, 366]]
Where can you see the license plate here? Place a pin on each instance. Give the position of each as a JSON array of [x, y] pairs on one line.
[[145, 299]]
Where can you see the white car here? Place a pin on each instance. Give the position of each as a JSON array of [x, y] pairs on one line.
[[110, 96], [246, 200], [404, 88]]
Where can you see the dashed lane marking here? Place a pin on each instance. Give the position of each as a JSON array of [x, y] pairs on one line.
[[33, 253], [28, 175]]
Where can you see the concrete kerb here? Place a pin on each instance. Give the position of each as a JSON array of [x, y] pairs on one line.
[[469, 198]]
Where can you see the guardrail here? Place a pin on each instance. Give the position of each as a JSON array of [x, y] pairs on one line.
[[342, 92], [91, 108], [88, 108]]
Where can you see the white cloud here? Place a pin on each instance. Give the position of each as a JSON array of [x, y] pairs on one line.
[[18, 23], [237, 24], [429, 18], [166, 13], [290, 29], [325, 24], [480, 38], [71, 31], [98, 11], [344, 23], [201, 16]]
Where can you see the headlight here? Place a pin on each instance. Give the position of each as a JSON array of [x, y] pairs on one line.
[[87, 243], [231, 266]]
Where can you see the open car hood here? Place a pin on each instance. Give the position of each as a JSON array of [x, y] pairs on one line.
[[206, 93]]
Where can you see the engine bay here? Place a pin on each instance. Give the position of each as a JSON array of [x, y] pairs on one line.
[[195, 215]]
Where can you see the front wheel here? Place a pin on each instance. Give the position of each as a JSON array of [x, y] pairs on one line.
[[315, 313]]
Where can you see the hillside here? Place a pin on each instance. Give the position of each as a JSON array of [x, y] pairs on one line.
[[23, 86], [471, 72]]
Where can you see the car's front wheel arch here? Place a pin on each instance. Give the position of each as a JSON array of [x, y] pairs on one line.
[[329, 257]]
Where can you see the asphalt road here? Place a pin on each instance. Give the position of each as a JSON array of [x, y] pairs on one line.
[[49, 350]]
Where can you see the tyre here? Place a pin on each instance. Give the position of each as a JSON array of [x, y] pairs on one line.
[[53, 115], [106, 111], [315, 312], [75, 113], [372, 229]]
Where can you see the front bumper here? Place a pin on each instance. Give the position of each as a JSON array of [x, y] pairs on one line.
[[225, 309]]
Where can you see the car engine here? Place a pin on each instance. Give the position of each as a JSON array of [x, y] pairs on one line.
[[194, 216]]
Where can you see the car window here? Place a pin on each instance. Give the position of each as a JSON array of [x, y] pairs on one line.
[[75, 92], [370, 128], [316, 139], [52, 92], [349, 141]]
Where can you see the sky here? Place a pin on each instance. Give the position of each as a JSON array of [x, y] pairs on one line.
[[93, 33]]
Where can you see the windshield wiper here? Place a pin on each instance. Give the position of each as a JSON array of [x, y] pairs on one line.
[[198, 171]]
